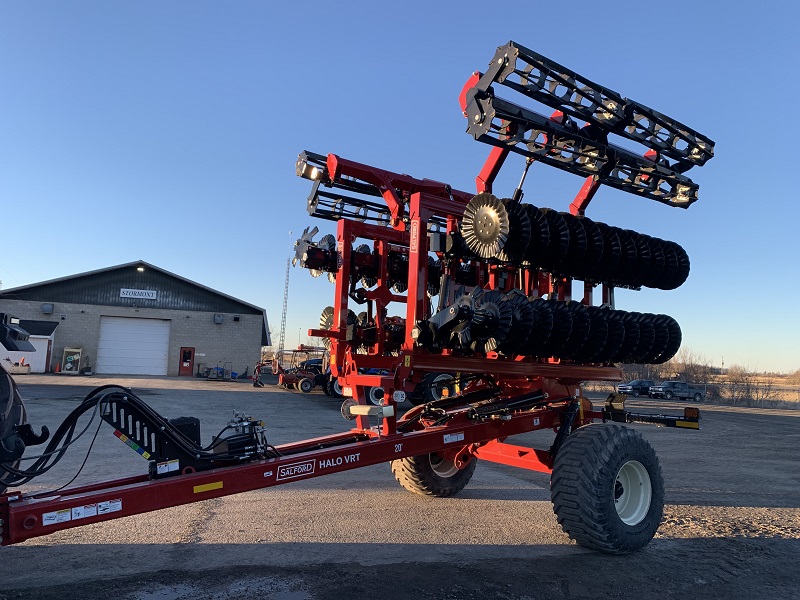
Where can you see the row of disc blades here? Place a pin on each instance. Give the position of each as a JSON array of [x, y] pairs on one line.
[[513, 324], [571, 246]]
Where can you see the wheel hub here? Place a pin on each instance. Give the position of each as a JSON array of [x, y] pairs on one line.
[[633, 492]]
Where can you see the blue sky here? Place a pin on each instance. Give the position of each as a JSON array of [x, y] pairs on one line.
[[168, 132]]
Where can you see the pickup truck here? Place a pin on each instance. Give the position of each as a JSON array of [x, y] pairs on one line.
[[677, 389], [637, 387]]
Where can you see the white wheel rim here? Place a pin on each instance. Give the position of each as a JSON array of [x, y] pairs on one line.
[[443, 468], [375, 395], [633, 492]]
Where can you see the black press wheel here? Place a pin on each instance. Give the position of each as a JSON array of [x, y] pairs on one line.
[[305, 385], [433, 475], [607, 488]]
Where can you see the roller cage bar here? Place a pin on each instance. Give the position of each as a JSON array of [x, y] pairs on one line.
[[558, 140]]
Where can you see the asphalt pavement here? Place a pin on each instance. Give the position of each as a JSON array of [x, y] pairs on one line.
[[358, 533]]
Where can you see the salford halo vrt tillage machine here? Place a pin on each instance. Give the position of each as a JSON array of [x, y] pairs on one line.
[[493, 336]]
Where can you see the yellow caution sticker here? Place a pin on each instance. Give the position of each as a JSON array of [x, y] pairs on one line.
[[207, 487], [407, 360]]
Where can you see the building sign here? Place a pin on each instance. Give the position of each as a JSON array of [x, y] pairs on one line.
[[140, 294]]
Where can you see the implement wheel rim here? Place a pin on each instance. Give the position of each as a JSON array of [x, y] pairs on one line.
[[633, 492], [443, 467]]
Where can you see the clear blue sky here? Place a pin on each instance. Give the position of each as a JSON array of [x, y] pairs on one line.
[[168, 132]]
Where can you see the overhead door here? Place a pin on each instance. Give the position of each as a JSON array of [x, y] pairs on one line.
[[133, 346]]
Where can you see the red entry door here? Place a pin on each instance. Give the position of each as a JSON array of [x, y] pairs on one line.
[[186, 364]]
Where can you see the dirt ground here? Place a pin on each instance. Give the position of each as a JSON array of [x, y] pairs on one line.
[[731, 526]]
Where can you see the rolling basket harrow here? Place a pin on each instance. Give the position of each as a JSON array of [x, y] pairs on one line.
[[505, 309]]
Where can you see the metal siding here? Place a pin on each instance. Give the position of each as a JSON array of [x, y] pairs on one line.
[[104, 289]]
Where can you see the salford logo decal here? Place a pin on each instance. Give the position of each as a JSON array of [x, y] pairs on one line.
[[294, 470]]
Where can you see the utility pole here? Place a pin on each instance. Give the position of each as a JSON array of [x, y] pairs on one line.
[[282, 339]]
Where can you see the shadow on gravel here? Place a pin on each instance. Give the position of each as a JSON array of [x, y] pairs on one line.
[[736, 568]]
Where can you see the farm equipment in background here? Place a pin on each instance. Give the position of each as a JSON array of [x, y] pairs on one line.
[[302, 369], [493, 336]]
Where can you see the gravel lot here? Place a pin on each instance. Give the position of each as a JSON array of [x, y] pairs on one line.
[[731, 526]]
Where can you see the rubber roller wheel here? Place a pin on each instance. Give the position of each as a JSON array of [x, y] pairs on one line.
[[598, 335], [542, 328], [608, 267], [628, 258], [615, 336], [537, 250], [674, 339], [684, 267], [576, 251], [522, 320], [658, 262], [595, 245], [660, 340], [625, 354], [677, 269], [491, 322], [562, 328], [644, 259], [558, 247], [647, 337], [581, 327], [519, 233], [485, 226]]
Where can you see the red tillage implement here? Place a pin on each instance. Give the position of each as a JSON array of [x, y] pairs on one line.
[[491, 343]]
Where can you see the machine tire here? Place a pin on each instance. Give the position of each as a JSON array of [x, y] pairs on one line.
[[305, 385], [414, 398], [607, 488], [333, 387], [668, 395], [430, 388], [432, 475], [337, 388], [324, 385], [374, 395], [698, 397]]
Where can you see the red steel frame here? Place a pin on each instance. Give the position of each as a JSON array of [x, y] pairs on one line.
[[412, 203]]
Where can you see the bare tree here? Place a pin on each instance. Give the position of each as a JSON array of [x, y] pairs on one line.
[[691, 367], [742, 386]]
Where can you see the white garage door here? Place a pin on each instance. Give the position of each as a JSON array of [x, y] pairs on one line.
[[133, 346]]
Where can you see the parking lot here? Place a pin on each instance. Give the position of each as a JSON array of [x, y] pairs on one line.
[[731, 526]]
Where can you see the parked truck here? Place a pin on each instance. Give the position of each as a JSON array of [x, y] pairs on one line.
[[677, 389], [637, 387]]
